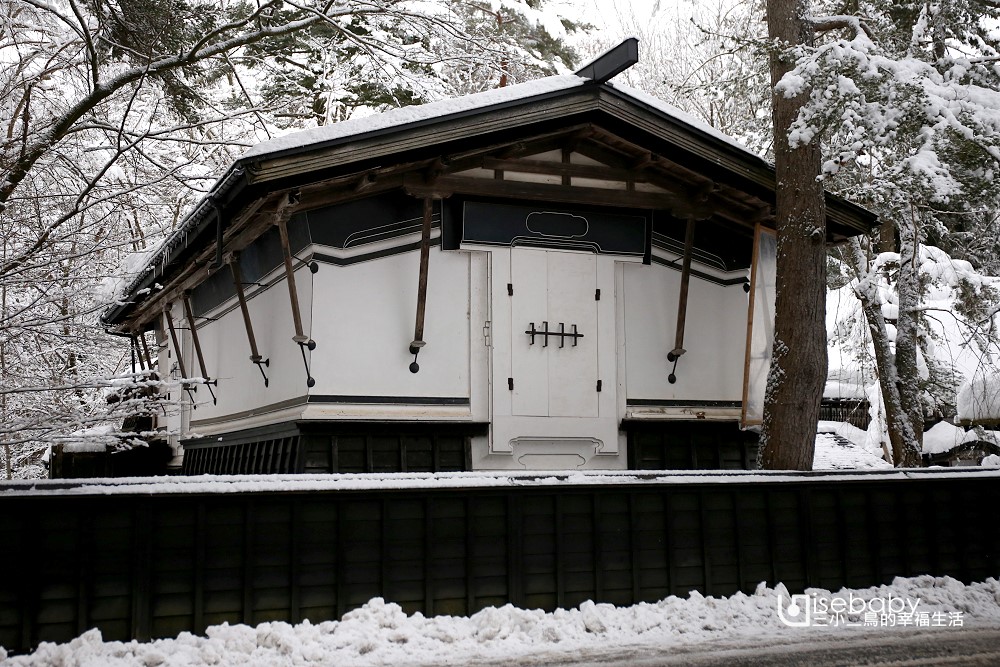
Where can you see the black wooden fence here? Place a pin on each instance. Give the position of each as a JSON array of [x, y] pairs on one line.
[[141, 560]]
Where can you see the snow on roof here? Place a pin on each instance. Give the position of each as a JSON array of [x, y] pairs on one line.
[[942, 437], [837, 452], [979, 398], [394, 118]]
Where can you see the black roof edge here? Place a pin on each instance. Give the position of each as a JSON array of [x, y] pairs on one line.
[[612, 62], [226, 190]]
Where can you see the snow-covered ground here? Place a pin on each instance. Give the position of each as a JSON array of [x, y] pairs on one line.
[[379, 633]]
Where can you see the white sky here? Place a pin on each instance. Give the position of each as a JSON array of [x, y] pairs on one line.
[[608, 14]]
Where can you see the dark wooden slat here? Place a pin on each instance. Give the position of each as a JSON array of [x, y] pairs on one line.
[[141, 584], [295, 535], [428, 556], [249, 520], [559, 521], [515, 579]]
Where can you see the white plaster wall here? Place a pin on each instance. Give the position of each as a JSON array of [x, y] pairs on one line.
[[715, 336], [227, 352], [364, 316]]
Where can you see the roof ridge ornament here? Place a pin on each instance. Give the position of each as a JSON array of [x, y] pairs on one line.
[[612, 62]]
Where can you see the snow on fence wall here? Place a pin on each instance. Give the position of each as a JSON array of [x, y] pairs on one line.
[[142, 559]]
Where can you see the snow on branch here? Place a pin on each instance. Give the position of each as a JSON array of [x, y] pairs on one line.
[[828, 23], [861, 98]]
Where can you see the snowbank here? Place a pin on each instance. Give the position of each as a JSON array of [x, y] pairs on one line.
[[379, 633]]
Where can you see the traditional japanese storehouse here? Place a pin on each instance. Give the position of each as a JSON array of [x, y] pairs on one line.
[[553, 275]]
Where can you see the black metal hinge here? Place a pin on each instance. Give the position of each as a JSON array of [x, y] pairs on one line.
[[598, 385], [597, 295], [510, 289], [510, 384]]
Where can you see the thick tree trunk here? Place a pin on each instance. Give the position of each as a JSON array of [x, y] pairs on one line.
[[799, 363], [906, 346]]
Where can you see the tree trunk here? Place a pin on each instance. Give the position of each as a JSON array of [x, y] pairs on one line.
[[900, 428], [799, 362], [907, 370]]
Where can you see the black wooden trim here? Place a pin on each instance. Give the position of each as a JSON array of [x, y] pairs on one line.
[[612, 62], [725, 282], [663, 402], [272, 432], [378, 254], [390, 400]]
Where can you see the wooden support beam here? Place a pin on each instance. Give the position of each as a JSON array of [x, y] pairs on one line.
[[293, 297], [682, 300], [565, 169], [189, 314], [255, 357], [177, 351], [145, 350], [175, 341], [445, 186], [366, 181], [293, 292], [425, 249], [136, 352]]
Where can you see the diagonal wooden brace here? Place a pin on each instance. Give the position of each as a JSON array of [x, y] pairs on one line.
[[197, 345], [177, 350], [145, 350], [682, 300], [136, 353], [425, 249], [234, 266], [293, 296]]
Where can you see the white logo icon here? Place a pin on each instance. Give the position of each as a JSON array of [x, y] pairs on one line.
[[796, 613]]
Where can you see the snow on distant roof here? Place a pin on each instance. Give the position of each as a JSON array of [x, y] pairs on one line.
[[413, 114], [979, 399], [837, 452], [943, 437]]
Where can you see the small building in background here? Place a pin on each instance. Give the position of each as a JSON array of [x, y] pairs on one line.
[[561, 274]]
